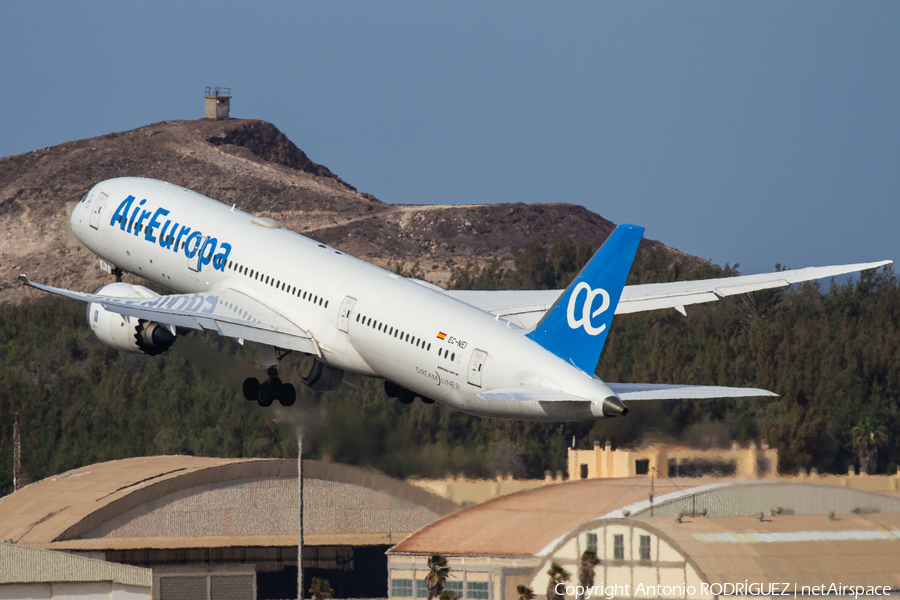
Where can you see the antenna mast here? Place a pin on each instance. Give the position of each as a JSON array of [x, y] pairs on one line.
[[17, 455]]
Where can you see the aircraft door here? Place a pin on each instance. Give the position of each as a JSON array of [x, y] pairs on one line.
[[344, 314], [98, 208], [476, 366]]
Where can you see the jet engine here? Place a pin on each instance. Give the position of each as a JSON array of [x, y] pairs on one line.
[[129, 334], [323, 378]]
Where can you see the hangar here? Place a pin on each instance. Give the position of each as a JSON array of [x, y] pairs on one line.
[[669, 540], [208, 522]]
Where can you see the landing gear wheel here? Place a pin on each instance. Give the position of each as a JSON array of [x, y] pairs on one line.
[[251, 388], [276, 384], [391, 389], [266, 395], [426, 400], [406, 397], [287, 395]]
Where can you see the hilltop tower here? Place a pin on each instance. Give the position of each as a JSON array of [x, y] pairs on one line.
[[218, 102]]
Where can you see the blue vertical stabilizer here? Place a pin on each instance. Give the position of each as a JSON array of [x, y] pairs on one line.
[[575, 328]]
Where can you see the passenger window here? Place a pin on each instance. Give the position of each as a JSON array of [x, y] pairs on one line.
[[429, 346], [453, 356]]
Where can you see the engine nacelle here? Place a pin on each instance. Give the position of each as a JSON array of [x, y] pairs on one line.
[[128, 334], [323, 378]]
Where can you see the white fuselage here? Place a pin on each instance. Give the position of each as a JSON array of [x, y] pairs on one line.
[[408, 332]]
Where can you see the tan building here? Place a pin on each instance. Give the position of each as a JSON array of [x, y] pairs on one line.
[[33, 573], [206, 523], [653, 532], [669, 460]]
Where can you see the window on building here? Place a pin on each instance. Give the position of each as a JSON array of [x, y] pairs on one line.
[[590, 542], [619, 546], [456, 585], [421, 589], [584, 471], [477, 590], [642, 466], [645, 547], [401, 588]]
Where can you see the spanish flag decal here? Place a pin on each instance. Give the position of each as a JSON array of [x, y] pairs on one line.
[[441, 335]]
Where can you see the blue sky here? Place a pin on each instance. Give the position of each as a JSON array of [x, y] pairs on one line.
[[755, 132]]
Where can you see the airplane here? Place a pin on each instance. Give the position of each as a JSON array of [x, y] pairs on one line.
[[526, 355]]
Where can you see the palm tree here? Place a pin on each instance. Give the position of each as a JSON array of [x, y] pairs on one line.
[[589, 560], [525, 592], [557, 575], [867, 437], [320, 589], [449, 595], [438, 571]]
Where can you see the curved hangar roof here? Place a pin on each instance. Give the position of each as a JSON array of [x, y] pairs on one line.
[[193, 502], [532, 522]]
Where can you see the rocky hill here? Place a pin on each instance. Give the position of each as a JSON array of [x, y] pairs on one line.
[[254, 165]]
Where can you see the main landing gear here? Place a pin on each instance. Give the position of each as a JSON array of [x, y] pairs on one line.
[[271, 389], [402, 394]]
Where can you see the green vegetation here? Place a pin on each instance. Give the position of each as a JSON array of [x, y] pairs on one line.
[[832, 355]]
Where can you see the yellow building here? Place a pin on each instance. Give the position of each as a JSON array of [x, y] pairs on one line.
[[668, 460]]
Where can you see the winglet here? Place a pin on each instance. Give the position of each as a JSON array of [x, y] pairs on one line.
[[576, 326]]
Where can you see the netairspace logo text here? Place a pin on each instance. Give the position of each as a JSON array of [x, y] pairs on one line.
[[724, 589]]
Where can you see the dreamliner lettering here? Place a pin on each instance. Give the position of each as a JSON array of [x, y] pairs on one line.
[[170, 235]]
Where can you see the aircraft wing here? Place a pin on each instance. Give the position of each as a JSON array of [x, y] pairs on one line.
[[525, 308], [228, 312]]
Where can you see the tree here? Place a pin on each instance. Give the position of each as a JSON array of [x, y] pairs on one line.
[[557, 575], [589, 560], [320, 589], [449, 595], [867, 437], [438, 571], [525, 592]]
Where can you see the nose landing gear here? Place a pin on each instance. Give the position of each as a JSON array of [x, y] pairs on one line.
[[269, 390]]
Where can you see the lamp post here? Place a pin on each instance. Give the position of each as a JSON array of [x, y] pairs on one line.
[[299, 514]]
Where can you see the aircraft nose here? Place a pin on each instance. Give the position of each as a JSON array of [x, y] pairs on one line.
[[80, 216]]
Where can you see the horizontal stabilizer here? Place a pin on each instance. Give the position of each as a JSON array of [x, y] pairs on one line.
[[656, 391]]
